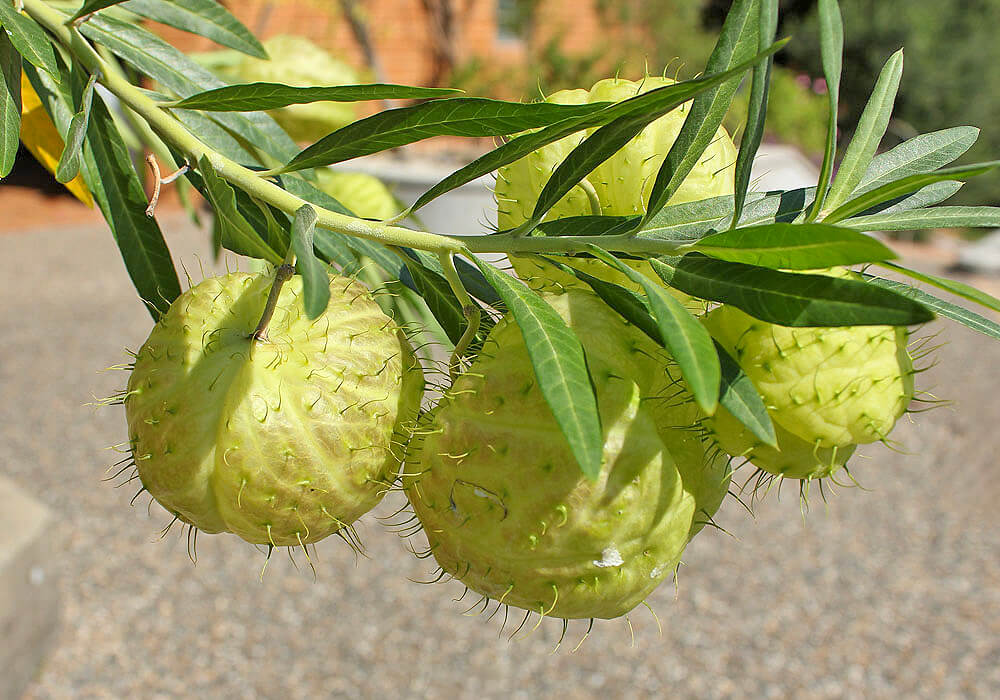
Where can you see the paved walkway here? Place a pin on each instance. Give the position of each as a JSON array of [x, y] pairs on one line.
[[892, 592]]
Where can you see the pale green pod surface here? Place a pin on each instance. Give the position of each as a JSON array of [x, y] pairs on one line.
[[282, 441], [704, 469], [831, 387], [794, 458], [502, 500], [298, 62], [363, 194]]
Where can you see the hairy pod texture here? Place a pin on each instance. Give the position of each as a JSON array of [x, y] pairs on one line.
[[284, 440], [503, 504], [622, 183], [826, 389]]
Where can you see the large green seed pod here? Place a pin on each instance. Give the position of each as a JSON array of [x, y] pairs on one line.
[[284, 440], [502, 500], [296, 61]]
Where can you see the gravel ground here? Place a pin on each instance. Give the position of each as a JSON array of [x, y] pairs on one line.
[[892, 592]]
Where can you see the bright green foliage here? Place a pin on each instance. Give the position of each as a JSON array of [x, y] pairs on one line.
[[504, 505], [298, 62], [284, 440]]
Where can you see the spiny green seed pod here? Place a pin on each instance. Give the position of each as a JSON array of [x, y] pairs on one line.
[[794, 458], [284, 440], [829, 386], [704, 468], [621, 184], [298, 62], [363, 194], [502, 500]]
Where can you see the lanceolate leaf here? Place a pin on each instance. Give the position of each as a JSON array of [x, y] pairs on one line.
[[967, 318], [789, 299], [924, 197], [237, 233], [206, 18], [69, 162], [934, 217], [683, 336], [871, 128], [29, 39], [522, 145], [120, 196], [740, 397], [255, 96], [90, 6], [458, 116], [831, 43], [315, 280], [737, 393], [10, 103], [756, 107], [737, 42], [560, 367], [958, 288], [921, 154], [905, 186], [440, 300], [793, 246], [166, 65]]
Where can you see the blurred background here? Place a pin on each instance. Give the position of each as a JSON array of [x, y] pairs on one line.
[[888, 591]]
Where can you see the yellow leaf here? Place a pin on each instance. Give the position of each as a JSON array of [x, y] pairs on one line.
[[39, 135]]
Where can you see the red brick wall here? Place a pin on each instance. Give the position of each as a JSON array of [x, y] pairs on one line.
[[400, 30]]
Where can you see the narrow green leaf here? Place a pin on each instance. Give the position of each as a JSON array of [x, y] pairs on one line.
[[237, 233], [205, 18], [440, 300], [152, 56], [871, 128], [831, 46], [255, 96], [29, 39], [924, 197], [957, 288], [967, 318], [737, 394], [905, 186], [560, 367], [753, 133], [524, 144], [69, 161], [738, 41], [315, 279], [935, 217], [91, 6], [639, 111], [740, 397], [789, 299], [921, 154], [683, 336], [10, 104], [456, 116], [119, 194], [793, 246]]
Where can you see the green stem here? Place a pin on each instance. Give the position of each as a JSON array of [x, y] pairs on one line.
[[469, 309], [282, 274]]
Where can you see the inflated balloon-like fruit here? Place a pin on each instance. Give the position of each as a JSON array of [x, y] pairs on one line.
[[503, 503], [830, 388], [296, 61], [621, 184], [363, 194], [283, 440]]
